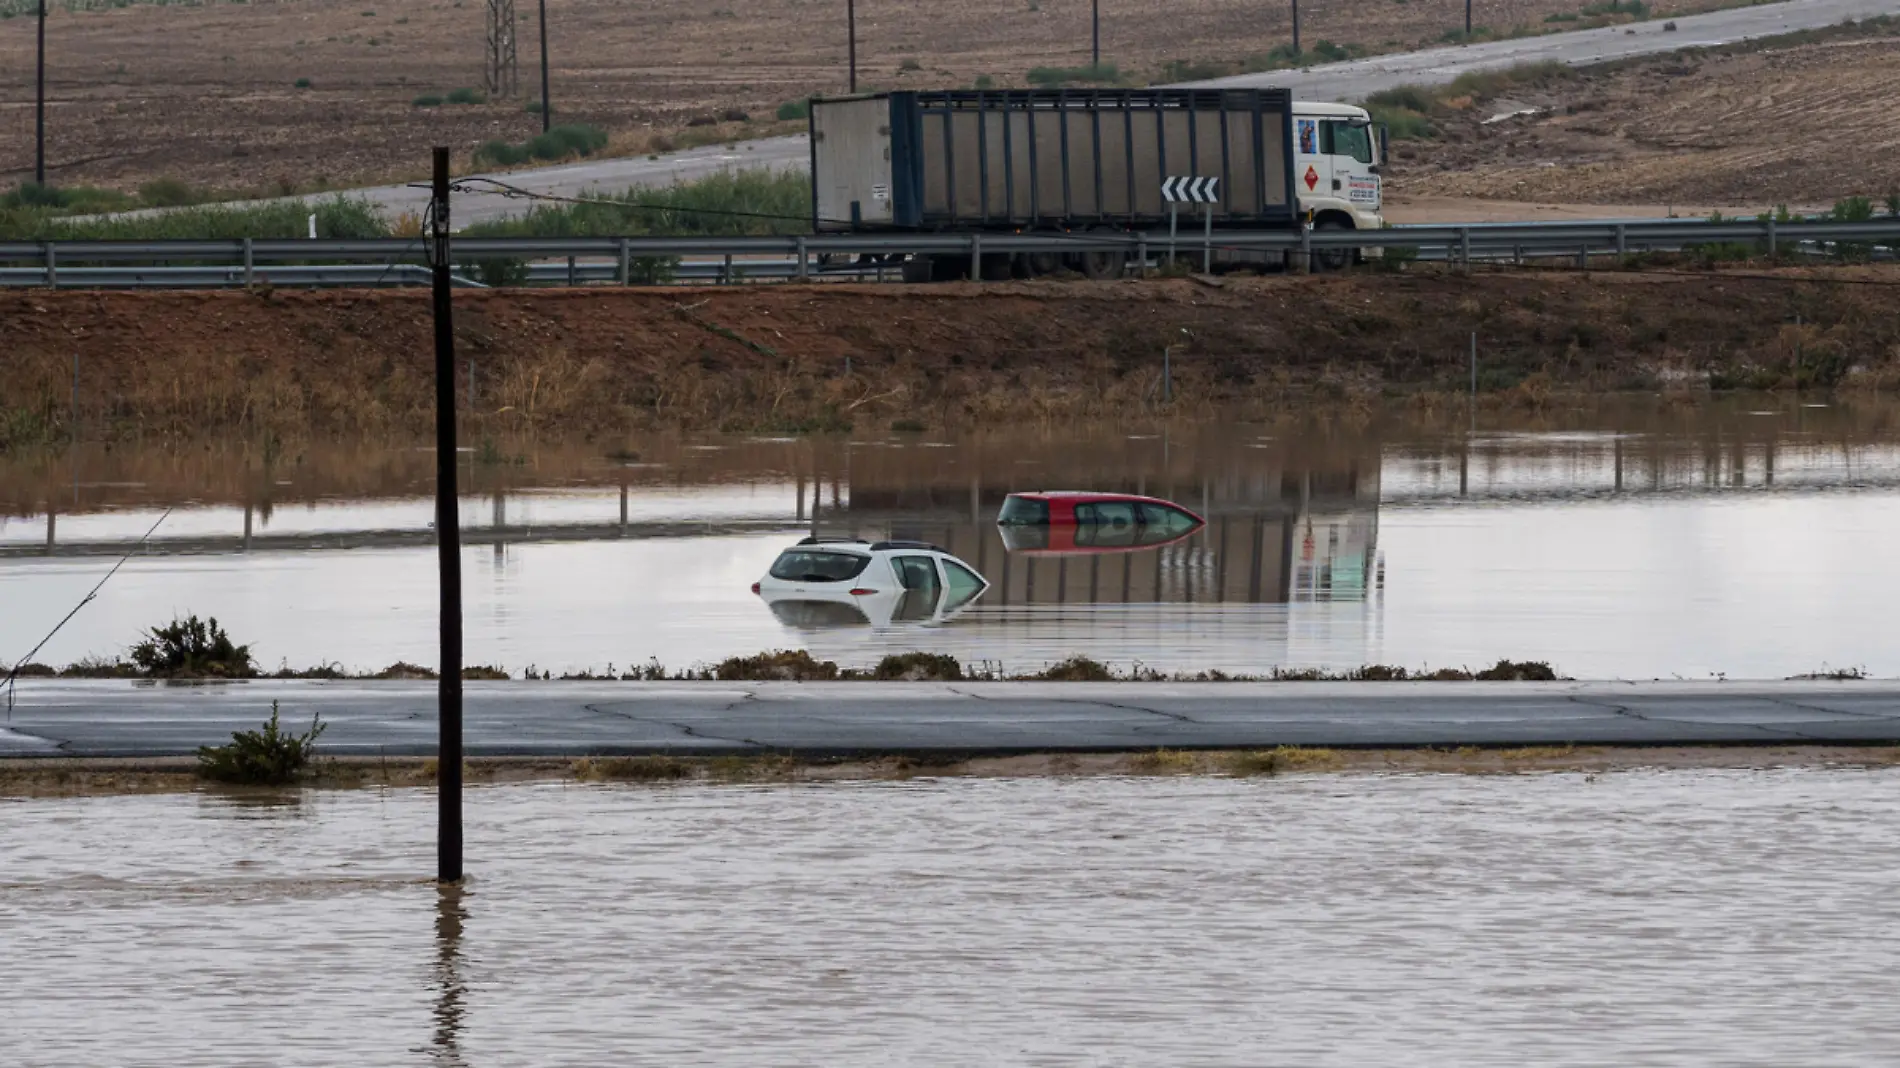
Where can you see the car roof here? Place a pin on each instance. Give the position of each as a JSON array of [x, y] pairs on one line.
[[860, 547], [1089, 496]]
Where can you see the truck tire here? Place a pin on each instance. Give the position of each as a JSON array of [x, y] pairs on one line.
[[1331, 259], [1105, 263], [1042, 263]]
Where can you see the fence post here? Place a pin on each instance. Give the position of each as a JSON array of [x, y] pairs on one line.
[[1141, 254], [1771, 237], [570, 271], [1464, 247], [250, 275], [1583, 257], [976, 256], [725, 271], [1622, 242], [52, 267], [804, 262], [626, 263]]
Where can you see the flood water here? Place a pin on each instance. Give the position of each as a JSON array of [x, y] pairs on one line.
[[1654, 918], [1746, 538]]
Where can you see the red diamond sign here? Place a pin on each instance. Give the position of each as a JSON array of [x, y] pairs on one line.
[[1312, 178]]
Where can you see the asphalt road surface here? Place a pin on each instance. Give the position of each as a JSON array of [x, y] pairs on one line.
[[1334, 81], [67, 718]]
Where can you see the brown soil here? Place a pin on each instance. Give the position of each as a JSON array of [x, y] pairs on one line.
[[208, 93], [68, 777], [605, 361], [1799, 125]]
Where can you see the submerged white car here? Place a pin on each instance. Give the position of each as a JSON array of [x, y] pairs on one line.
[[839, 582]]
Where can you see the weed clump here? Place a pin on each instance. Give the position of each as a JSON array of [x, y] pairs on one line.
[[467, 96], [192, 648], [1076, 669], [562, 142], [918, 667], [403, 669], [1094, 74], [271, 756], [1164, 762], [1518, 671], [633, 769], [783, 665]]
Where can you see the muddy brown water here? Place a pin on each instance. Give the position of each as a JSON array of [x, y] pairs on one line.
[[1637, 538], [1685, 917]]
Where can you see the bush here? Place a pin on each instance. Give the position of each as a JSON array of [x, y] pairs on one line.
[[270, 756], [426, 100], [302, 83], [337, 217], [909, 65], [1077, 669], [559, 143], [467, 96], [918, 667], [794, 109], [1097, 74], [191, 648], [499, 153], [1518, 671], [785, 665], [984, 82], [168, 193]]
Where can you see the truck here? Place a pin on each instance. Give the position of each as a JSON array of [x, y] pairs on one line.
[[1091, 161]]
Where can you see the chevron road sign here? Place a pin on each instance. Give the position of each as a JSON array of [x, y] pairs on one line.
[[1186, 190]]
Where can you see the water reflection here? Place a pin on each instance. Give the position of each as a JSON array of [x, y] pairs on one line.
[[1667, 540], [450, 988]]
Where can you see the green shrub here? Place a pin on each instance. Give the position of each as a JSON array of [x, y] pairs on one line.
[[467, 96], [1518, 671], [499, 153], [918, 667], [794, 109], [426, 100], [1077, 669], [909, 65], [302, 83], [271, 756], [191, 648], [984, 82], [168, 193], [1095, 74], [788, 665]]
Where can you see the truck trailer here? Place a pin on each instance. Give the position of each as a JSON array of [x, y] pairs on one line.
[[1089, 161]]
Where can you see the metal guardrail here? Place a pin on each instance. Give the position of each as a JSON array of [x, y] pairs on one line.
[[399, 261]]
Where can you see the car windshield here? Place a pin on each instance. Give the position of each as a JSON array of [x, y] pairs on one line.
[[1023, 512], [818, 565]]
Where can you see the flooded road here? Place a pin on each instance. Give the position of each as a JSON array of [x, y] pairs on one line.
[[1661, 917], [1749, 538]]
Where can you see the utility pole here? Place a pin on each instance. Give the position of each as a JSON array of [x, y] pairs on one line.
[[1296, 27], [1467, 20], [504, 75], [1095, 34], [448, 540], [547, 106], [851, 31], [39, 107]]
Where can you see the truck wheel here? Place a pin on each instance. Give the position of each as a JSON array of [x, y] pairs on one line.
[[1331, 259], [1041, 263], [918, 269], [1106, 263]]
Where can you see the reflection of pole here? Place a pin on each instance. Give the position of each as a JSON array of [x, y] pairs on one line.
[[449, 916]]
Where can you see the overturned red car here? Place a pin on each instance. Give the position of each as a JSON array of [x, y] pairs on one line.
[[1074, 521]]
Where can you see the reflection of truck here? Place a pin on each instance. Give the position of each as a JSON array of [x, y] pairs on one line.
[[1088, 161]]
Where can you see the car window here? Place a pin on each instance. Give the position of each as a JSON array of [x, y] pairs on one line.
[[916, 605], [1345, 139], [959, 578], [1023, 511], [1161, 517], [816, 565], [1112, 513], [916, 572]]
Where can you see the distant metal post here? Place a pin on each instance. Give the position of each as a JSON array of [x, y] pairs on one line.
[[804, 261], [1464, 246], [547, 106], [249, 269], [626, 262], [1095, 33], [39, 105], [976, 256], [52, 266], [1141, 254], [1467, 21], [1296, 27], [1207, 238], [448, 536], [1771, 237], [1622, 241], [851, 31]]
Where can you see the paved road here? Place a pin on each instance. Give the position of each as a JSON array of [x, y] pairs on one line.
[[58, 718], [1336, 81]]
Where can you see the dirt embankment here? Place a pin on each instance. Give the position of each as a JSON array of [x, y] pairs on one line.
[[822, 357], [1736, 128]]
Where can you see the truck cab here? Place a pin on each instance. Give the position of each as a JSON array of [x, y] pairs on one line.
[[1338, 154]]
